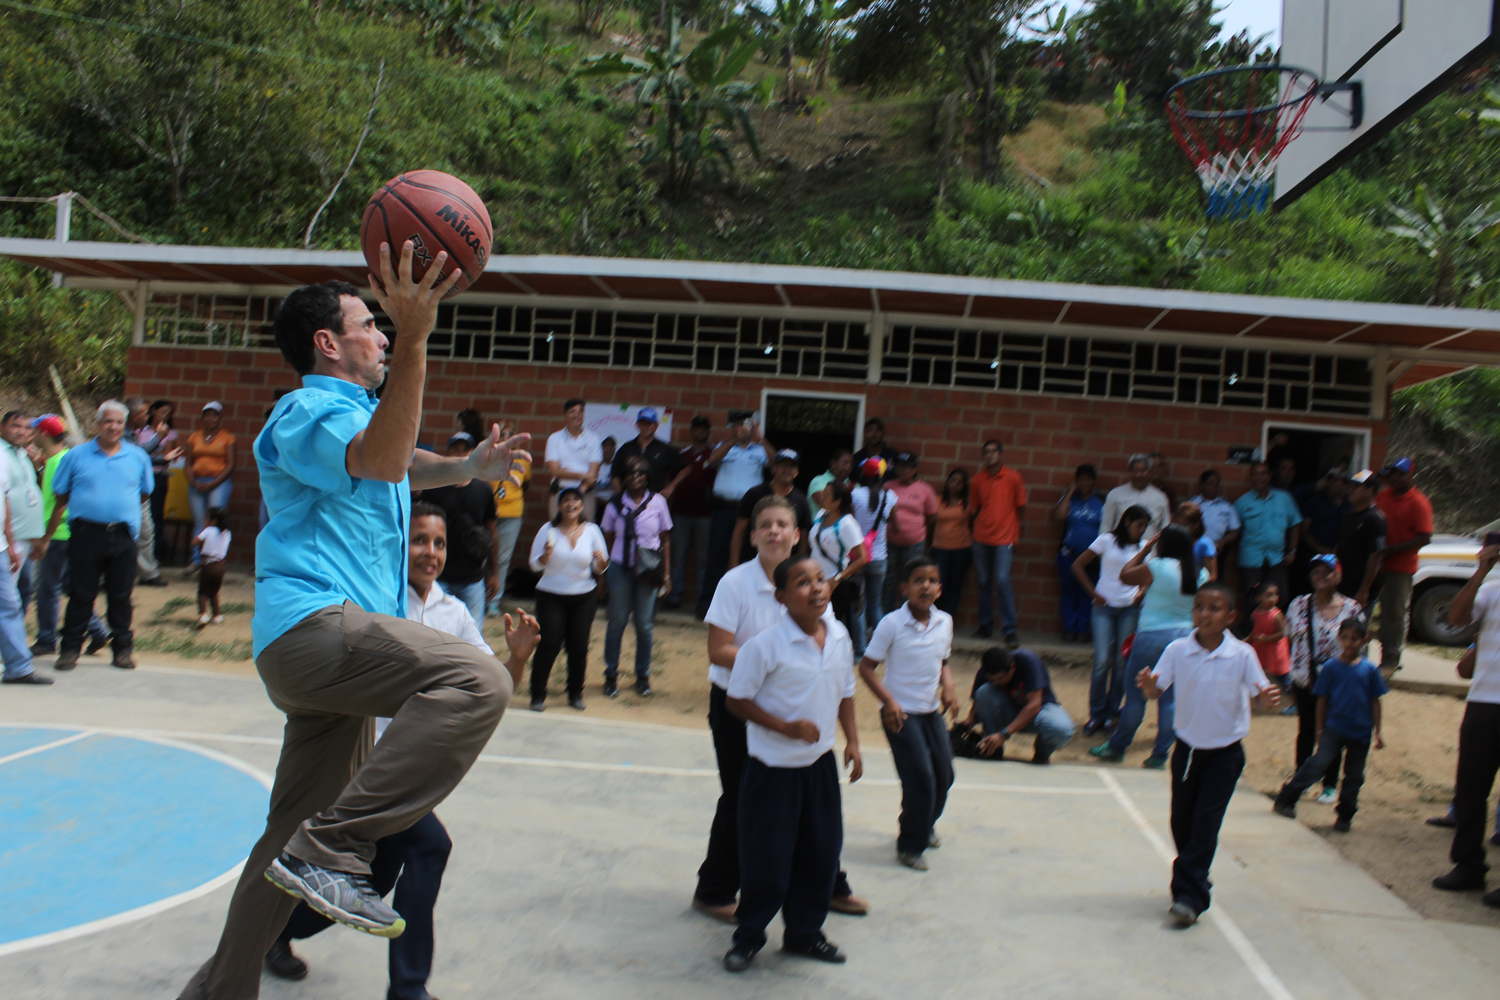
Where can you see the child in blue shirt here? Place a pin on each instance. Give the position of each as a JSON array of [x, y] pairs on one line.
[[1348, 690]]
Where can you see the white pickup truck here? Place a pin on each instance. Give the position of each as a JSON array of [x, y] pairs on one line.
[[1443, 566]]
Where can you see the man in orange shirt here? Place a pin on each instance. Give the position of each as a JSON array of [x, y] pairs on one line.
[[997, 500], [1408, 520]]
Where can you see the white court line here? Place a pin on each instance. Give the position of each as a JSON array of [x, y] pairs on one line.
[[1248, 953], [48, 746]]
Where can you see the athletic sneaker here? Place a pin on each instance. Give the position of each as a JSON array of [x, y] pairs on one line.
[[1105, 752], [1182, 914], [345, 897], [31, 678], [1328, 796], [1154, 763], [611, 688], [912, 859], [218, 619]]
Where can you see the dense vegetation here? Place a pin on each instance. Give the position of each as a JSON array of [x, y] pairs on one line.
[[985, 137]]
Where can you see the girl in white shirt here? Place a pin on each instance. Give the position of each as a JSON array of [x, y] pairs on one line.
[[214, 542], [1116, 611], [838, 544], [571, 555]]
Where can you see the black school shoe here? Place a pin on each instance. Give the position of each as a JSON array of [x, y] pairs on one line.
[[738, 958], [823, 950], [282, 963], [1460, 879], [643, 687], [611, 688], [31, 678]]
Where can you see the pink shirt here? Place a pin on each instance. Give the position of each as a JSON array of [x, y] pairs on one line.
[[915, 504], [649, 525]]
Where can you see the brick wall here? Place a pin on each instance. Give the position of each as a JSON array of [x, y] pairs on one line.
[[1045, 437]]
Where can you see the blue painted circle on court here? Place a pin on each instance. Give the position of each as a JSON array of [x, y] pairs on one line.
[[110, 823]]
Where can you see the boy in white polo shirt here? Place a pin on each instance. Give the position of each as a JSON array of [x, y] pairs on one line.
[[1216, 676], [915, 641], [791, 684]]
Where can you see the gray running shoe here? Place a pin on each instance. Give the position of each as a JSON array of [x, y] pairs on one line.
[[345, 897]]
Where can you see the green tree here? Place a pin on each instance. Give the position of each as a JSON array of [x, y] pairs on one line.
[[1448, 244], [1150, 44]]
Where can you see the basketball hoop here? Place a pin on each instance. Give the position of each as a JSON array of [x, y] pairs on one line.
[[1234, 123]]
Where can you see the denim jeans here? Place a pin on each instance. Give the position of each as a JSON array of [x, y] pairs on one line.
[[875, 609], [1112, 626], [13, 648], [628, 594], [26, 578], [1073, 601], [1144, 653], [1052, 725], [895, 572], [953, 566], [507, 530], [992, 571], [689, 531], [51, 584], [923, 757], [200, 503], [472, 596]]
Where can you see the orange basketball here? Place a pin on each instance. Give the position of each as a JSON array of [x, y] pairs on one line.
[[437, 212]]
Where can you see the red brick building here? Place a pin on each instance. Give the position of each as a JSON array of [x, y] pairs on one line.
[[1062, 374]]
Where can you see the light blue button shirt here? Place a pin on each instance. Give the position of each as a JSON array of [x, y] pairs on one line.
[[740, 471], [331, 537], [105, 488], [1219, 517], [1266, 523]]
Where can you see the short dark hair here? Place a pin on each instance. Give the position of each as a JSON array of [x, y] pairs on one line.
[[303, 313], [426, 508], [1220, 587], [1357, 625], [701, 421], [11, 415], [1086, 470], [569, 404], [1207, 475], [783, 571], [993, 441], [875, 422], [472, 423], [916, 563], [839, 453], [996, 660], [1254, 464], [217, 515]]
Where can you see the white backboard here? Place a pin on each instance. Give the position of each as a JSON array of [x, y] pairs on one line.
[[1401, 52]]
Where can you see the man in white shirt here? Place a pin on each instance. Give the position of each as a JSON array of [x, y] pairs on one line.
[[573, 457], [1221, 522], [26, 526], [1137, 491], [1216, 677], [1479, 733], [413, 860]]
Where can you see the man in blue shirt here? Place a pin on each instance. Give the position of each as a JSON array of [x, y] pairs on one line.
[[331, 639], [1271, 526], [101, 485], [1080, 510], [739, 462]]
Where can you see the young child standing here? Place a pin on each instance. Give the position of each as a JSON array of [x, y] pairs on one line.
[[1348, 690], [214, 540], [1268, 635], [1216, 677], [791, 684], [915, 641]]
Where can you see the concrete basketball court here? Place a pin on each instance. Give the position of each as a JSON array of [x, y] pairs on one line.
[[576, 843]]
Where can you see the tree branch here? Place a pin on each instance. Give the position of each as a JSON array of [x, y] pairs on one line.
[[369, 120]]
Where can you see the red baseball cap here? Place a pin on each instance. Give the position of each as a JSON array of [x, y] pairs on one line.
[[51, 425]]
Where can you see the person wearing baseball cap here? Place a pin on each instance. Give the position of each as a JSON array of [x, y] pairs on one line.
[[783, 483], [1408, 518], [1361, 535], [210, 455], [52, 570], [665, 466], [692, 508]]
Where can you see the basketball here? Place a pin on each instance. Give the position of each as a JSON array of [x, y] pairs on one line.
[[437, 212]]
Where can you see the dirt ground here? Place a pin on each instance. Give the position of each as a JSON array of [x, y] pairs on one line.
[[1406, 782]]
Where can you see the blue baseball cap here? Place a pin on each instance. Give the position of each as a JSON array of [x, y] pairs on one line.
[[1326, 559], [648, 414], [1402, 464]]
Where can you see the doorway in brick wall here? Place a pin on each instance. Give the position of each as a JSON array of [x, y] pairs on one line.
[[814, 424], [1314, 449]]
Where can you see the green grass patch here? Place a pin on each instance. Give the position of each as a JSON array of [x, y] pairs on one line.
[[159, 641]]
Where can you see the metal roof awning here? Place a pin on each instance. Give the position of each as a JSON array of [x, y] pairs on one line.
[[1421, 342]]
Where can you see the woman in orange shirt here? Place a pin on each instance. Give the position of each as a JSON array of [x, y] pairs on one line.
[[952, 541], [209, 453]]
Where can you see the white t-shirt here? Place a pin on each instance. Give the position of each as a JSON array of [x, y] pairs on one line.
[[914, 655], [832, 543], [573, 453], [1485, 687], [215, 543], [1112, 558], [1123, 497], [1214, 688], [784, 672], [570, 569], [885, 502], [444, 613], [744, 605]]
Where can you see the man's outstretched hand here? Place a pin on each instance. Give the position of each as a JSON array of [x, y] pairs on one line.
[[495, 460], [412, 304]]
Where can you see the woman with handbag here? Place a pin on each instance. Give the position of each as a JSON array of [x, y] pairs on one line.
[[838, 545], [638, 529], [1313, 621], [571, 555]]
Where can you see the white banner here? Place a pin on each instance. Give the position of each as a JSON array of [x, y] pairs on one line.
[[618, 421]]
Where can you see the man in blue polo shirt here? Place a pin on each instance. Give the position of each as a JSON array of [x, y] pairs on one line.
[[740, 462], [101, 485], [1271, 523], [330, 635]]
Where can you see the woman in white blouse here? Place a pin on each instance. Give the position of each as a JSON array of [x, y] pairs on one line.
[[570, 554], [838, 544]]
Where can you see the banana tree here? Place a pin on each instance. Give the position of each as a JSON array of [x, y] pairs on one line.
[[697, 106], [1446, 243]]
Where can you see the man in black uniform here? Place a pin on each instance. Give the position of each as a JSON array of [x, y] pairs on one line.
[[665, 466], [473, 545], [1360, 537], [784, 468]]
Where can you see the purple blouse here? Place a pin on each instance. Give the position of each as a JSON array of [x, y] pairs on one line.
[[649, 524]]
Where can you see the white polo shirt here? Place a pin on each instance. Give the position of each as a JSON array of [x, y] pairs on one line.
[[1214, 688], [574, 453], [744, 603], [914, 654], [1485, 687], [444, 613], [784, 672]]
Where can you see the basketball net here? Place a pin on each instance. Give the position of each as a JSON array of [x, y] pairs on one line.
[[1234, 125]]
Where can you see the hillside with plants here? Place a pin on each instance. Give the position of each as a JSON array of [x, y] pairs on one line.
[[998, 138]]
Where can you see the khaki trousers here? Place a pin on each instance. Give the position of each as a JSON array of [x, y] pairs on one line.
[[334, 795], [1395, 618]]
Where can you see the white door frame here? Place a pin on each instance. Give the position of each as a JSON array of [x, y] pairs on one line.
[[859, 429], [1360, 433]]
